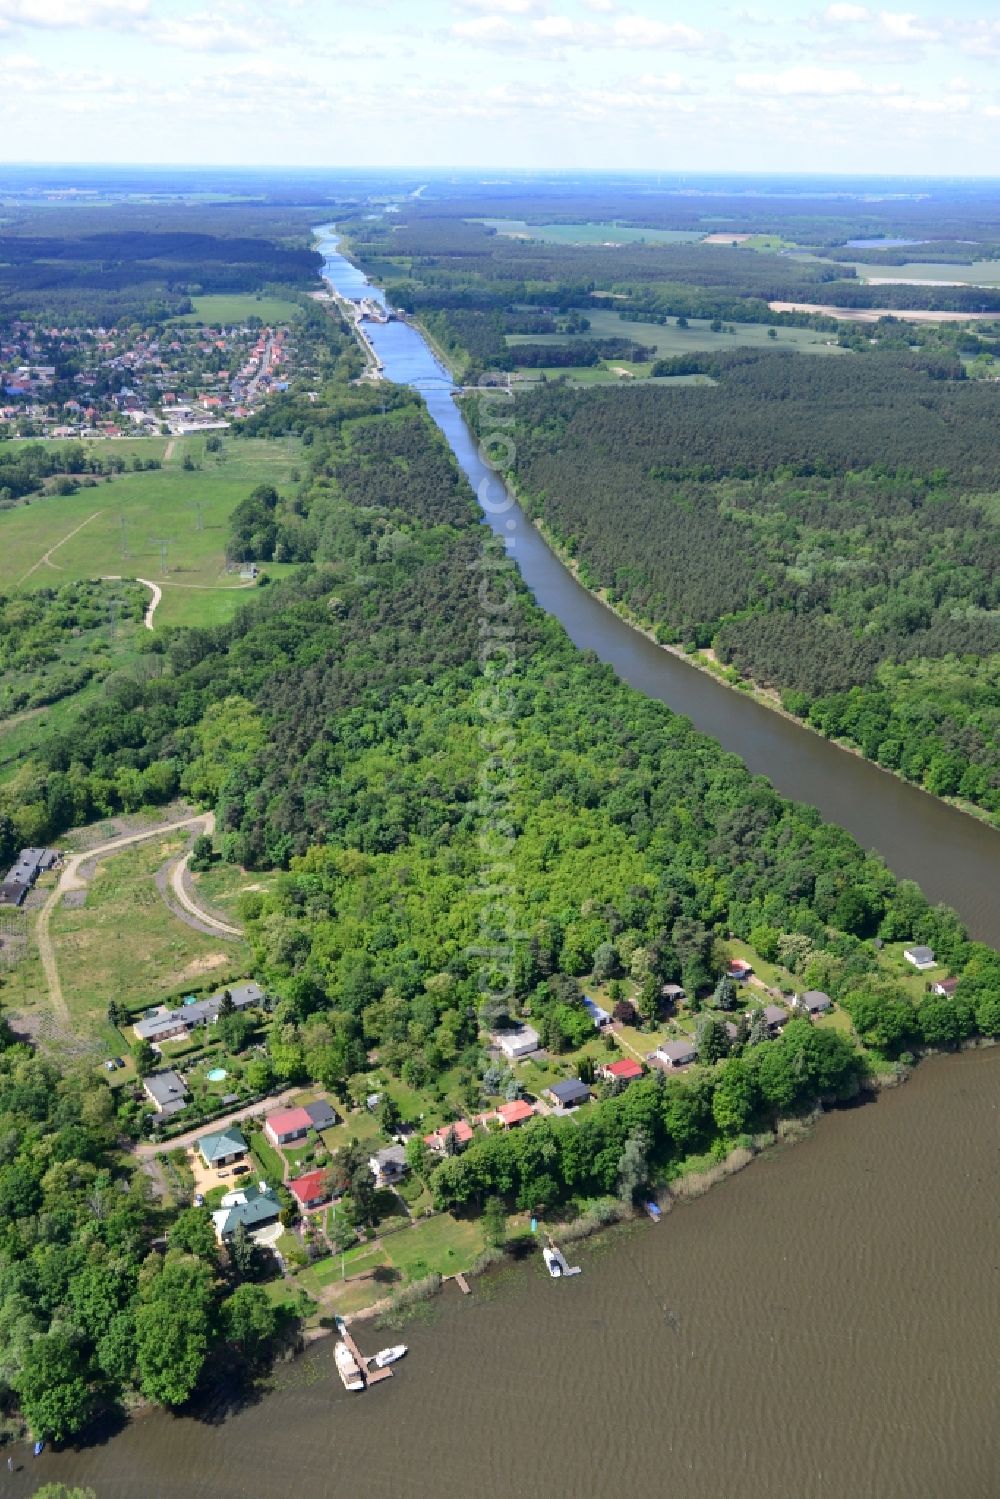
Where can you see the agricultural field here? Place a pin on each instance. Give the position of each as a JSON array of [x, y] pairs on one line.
[[979, 273], [116, 529], [589, 234], [696, 338], [225, 310]]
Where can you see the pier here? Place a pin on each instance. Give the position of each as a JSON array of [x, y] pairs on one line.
[[371, 1376]]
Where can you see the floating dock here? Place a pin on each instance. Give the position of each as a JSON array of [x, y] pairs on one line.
[[371, 1376]]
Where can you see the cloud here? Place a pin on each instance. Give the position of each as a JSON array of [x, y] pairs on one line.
[[846, 15], [981, 39], [61, 14], [505, 7], [810, 83], [904, 26], [206, 33], [643, 32]]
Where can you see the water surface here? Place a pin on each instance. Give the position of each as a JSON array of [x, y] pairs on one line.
[[954, 857]]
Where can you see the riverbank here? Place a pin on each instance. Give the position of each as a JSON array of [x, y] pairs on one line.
[[705, 660]]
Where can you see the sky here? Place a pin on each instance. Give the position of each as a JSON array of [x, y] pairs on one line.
[[773, 85]]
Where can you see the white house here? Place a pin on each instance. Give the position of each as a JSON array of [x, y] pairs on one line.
[[517, 1043], [922, 958], [670, 1054]]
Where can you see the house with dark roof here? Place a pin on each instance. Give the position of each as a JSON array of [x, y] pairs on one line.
[[569, 1093], [775, 1017], [167, 1091], [321, 1115], [311, 1190], [813, 1002], [388, 1165], [598, 1015], [921, 957], [254, 1206], [167, 1024], [945, 988], [671, 1054], [222, 1147], [13, 893]]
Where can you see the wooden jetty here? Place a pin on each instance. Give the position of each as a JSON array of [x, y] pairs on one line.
[[371, 1376], [463, 1284]]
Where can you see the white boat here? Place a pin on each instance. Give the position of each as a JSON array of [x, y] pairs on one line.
[[347, 1367], [554, 1262], [388, 1356]]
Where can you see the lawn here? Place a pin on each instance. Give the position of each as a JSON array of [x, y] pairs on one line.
[[443, 1244], [266, 1156], [227, 310], [360, 1260], [669, 340], [121, 526], [98, 957]]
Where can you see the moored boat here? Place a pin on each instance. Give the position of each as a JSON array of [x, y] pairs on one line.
[[347, 1367], [387, 1356], [554, 1262]]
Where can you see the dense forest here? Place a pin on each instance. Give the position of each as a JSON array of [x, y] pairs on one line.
[[96, 1305], [824, 525]]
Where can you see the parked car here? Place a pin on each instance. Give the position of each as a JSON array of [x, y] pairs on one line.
[[239, 1170]]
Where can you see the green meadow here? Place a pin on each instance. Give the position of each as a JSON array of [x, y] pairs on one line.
[[116, 529], [230, 309], [590, 234], [697, 338]]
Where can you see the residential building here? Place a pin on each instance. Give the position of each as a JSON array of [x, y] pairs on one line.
[[625, 1070], [813, 1002], [167, 1091], [520, 1042], [512, 1114], [569, 1093], [438, 1139], [166, 1024], [945, 988], [13, 893], [388, 1165], [739, 969], [775, 1018], [286, 1125], [921, 957], [222, 1147], [311, 1190], [672, 1054], [321, 1115], [254, 1206], [599, 1016]]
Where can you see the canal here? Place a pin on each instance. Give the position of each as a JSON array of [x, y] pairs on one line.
[[954, 857]]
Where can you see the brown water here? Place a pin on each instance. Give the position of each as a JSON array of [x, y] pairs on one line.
[[824, 1324]]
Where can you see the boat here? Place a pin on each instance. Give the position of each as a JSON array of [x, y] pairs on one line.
[[347, 1367], [388, 1356], [655, 1211], [554, 1262]]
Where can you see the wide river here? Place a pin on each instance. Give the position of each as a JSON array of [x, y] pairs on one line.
[[824, 1324]]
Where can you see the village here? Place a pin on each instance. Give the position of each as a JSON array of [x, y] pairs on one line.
[[331, 1187], [115, 382]]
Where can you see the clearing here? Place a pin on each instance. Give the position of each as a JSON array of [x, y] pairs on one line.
[[227, 310], [125, 525], [669, 340]]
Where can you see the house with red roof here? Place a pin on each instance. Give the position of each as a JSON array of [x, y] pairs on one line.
[[437, 1140], [625, 1070], [739, 969], [286, 1125], [311, 1190], [511, 1114]]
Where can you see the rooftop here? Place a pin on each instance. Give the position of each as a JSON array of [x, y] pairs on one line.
[[288, 1121]]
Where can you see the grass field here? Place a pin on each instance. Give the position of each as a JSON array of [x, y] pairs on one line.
[[604, 374], [98, 956], [83, 533], [228, 310], [669, 340], [589, 234], [443, 1244], [980, 273]]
